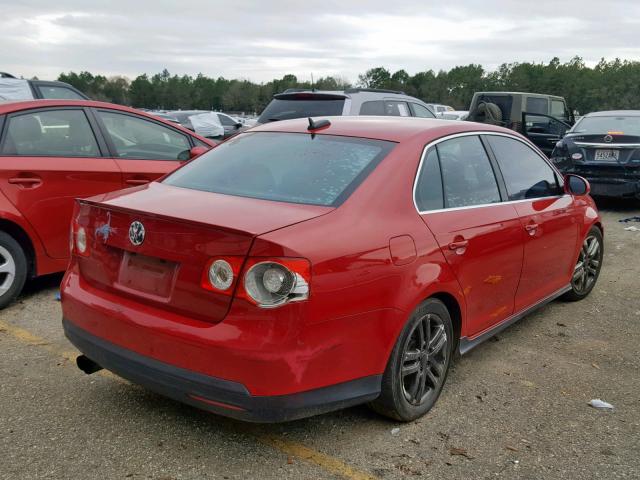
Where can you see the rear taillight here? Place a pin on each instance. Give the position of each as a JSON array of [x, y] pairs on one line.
[[221, 274], [265, 282], [271, 283], [81, 241], [78, 241]]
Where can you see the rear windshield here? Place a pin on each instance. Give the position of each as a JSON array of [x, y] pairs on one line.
[[285, 167], [285, 109], [601, 125]]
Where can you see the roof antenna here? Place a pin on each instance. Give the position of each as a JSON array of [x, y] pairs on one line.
[[313, 125]]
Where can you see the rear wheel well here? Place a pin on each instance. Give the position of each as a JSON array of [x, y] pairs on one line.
[[23, 239], [599, 225], [454, 310]]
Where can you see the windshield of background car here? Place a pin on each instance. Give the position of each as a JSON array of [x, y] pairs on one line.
[[602, 125], [285, 109], [285, 167]]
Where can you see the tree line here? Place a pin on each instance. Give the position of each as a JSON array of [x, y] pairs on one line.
[[613, 84]]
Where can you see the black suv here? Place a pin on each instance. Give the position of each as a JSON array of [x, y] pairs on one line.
[[544, 119], [12, 88]]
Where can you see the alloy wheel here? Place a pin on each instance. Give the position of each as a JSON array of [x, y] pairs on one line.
[[424, 359], [7, 270], [587, 268]]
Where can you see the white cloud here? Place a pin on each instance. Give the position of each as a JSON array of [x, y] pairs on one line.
[[261, 40]]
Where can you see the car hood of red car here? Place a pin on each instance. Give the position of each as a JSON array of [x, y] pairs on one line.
[[242, 214]]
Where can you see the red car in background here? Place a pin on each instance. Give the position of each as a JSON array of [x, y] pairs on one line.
[[300, 268], [53, 151]]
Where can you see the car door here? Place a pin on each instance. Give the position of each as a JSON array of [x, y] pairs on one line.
[[544, 131], [480, 237], [49, 157], [143, 149], [548, 216]]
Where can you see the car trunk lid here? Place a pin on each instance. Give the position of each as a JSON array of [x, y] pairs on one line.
[[183, 231]]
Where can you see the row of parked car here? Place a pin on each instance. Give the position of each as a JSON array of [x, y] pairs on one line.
[[47, 143]]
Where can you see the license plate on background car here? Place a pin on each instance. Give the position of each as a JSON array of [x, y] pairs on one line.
[[607, 155]]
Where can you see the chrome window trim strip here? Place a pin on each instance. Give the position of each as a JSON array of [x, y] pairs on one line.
[[467, 134], [608, 146]]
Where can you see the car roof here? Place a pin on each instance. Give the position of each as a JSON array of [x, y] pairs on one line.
[[530, 94], [395, 129], [19, 105], [614, 113], [16, 105]]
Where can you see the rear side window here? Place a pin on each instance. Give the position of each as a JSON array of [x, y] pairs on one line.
[[134, 137], [525, 173], [284, 109], [428, 192], [537, 105], [226, 121], [467, 175], [385, 108], [51, 133], [421, 111], [559, 110], [285, 167], [58, 92]]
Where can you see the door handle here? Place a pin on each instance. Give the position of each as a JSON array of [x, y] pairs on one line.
[[136, 181], [459, 246], [531, 228], [26, 181]]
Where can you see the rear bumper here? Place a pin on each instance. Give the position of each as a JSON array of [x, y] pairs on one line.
[[216, 395], [614, 187]]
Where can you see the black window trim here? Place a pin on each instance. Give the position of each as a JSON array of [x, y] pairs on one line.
[[97, 134], [497, 171], [112, 151]]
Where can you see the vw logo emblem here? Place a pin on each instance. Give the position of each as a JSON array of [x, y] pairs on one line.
[[136, 233], [608, 138]]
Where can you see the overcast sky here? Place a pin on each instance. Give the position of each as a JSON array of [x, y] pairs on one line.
[[260, 40]]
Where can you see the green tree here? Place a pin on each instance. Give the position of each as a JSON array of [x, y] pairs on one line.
[[378, 77]]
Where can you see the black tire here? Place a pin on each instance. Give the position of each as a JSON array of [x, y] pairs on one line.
[[13, 269], [591, 255], [401, 397]]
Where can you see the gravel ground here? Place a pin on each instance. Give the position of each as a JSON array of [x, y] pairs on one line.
[[515, 407]]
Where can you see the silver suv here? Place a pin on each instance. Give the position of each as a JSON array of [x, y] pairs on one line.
[[299, 103]]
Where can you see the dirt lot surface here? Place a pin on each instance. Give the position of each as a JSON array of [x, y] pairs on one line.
[[515, 407]]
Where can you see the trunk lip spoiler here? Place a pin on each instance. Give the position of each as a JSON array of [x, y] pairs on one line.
[[169, 218], [158, 216]]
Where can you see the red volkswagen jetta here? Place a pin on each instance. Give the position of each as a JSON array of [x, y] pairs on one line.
[[306, 266]]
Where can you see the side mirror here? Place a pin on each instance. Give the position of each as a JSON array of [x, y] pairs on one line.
[[192, 153], [238, 125], [576, 185], [197, 151]]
